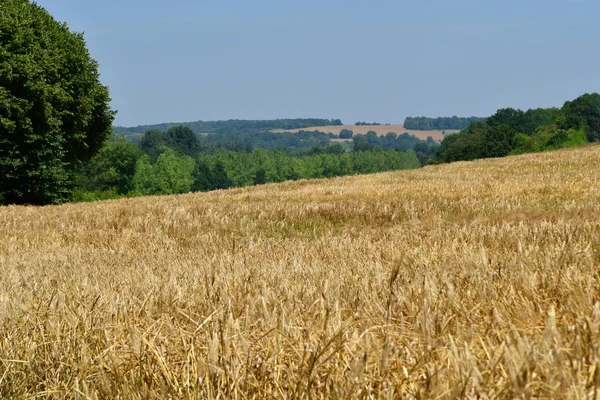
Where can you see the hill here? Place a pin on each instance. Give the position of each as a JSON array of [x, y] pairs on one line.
[[381, 130], [474, 279], [513, 131], [229, 126]]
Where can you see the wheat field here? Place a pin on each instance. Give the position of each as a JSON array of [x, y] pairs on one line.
[[468, 280]]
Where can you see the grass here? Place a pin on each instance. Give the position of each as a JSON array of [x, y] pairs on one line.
[[474, 280]]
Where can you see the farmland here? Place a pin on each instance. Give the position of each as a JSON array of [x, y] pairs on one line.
[[472, 279], [381, 130]]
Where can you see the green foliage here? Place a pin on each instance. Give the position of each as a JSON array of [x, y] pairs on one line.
[[362, 123], [54, 112], [584, 110], [79, 195], [179, 138], [170, 174], [499, 141], [173, 172], [153, 143], [550, 138], [183, 140], [511, 131], [429, 124], [211, 174], [424, 150], [523, 121], [264, 140], [112, 168], [468, 145], [346, 134], [237, 169]]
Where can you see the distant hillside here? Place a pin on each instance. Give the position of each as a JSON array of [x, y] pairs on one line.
[[231, 126], [512, 131], [442, 123], [381, 130]]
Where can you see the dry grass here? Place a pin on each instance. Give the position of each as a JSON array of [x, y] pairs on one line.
[[381, 130], [466, 280]]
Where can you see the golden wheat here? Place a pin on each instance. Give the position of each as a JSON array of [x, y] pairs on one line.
[[476, 280]]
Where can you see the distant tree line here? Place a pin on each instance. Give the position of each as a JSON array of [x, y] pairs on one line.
[[362, 123], [511, 131], [441, 123], [238, 141], [424, 150], [233, 126], [299, 143], [179, 161]]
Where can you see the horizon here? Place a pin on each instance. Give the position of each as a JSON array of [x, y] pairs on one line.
[[189, 61]]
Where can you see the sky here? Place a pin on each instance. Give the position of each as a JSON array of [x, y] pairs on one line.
[[375, 61]]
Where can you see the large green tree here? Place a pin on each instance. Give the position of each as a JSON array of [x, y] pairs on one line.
[[112, 168], [179, 138], [584, 109], [54, 112], [171, 174]]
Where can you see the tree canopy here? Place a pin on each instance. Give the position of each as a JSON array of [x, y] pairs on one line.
[[441, 123], [511, 131], [54, 112]]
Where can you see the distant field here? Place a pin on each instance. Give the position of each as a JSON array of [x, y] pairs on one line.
[[468, 280], [381, 130]]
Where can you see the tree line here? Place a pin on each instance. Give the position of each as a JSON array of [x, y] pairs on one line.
[[363, 123], [233, 126], [441, 123], [176, 162], [511, 131], [424, 149], [239, 141]]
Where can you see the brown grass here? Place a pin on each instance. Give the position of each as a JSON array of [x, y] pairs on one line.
[[381, 130], [465, 280]]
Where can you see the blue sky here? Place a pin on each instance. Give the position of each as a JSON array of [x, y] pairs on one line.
[[381, 61]]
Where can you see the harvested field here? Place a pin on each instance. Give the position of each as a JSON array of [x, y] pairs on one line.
[[475, 279], [381, 130]]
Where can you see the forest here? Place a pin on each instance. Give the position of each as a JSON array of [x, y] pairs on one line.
[[179, 161], [441, 123], [510, 131]]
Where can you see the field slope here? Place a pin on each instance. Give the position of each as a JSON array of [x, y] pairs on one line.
[[381, 130], [462, 280]]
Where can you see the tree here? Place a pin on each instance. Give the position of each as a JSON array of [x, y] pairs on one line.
[[499, 141], [585, 108], [346, 134], [54, 112], [179, 138], [153, 143], [184, 140], [210, 174], [112, 167], [391, 136], [170, 174], [372, 137], [143, 180], [219, 177], [174, 173]]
